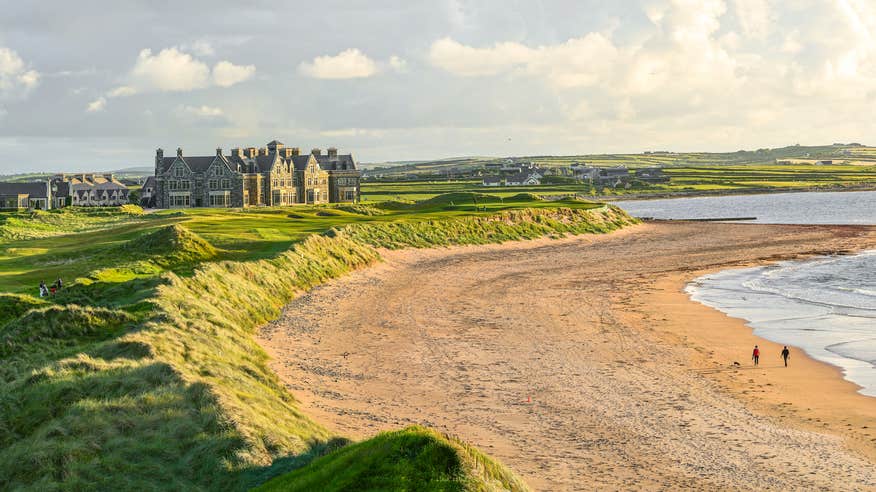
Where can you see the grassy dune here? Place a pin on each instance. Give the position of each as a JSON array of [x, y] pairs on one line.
[[145, 375]]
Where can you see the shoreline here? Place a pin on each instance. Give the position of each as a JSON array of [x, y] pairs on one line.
[[783, 393], [590, 368]]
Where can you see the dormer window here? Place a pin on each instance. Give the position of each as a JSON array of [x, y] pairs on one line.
[[178, 171]]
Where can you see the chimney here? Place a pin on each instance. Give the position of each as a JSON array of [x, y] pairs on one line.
[[316, 152], [287, 153], [159, 156], [263, 151], [250, 152], [236, 152], [179, 151], [332, 152], [296, 151]]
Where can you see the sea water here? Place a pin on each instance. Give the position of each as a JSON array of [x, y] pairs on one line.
[[825, 306], [850, 207]]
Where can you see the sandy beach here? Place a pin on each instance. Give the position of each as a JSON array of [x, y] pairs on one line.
[[581, 363]]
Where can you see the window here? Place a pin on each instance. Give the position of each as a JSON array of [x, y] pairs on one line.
[[178, 171], [185, 185], [214, 184], [223, 200], [181, 200], [226, 183], [349, 195]]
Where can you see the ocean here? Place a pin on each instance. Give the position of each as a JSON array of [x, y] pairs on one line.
[[825, 306]]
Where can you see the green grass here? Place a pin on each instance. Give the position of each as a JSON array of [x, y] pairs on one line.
[[411, 459], [143, 374]]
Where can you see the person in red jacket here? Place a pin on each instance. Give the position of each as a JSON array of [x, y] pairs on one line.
[[755, 355]]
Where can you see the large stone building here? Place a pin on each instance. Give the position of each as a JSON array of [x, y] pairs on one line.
[[273, 175]]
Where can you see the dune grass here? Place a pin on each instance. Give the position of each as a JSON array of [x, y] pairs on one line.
[[415, 458], [144, 373]]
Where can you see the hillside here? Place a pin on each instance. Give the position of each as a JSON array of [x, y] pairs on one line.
[[143, 372], [853, 153]]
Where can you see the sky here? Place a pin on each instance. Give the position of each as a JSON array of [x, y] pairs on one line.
[[92, 85]]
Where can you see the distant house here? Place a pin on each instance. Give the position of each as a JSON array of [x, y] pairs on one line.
[[22, 196], [585, 172], [652, 175], [523, 179], [492, 181], [613, 176], [823, 163]]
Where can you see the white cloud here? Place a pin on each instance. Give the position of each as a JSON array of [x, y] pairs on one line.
[[172, 70], [97, 105], [348, 64], [754, 16], [169, 70], [16, 78], [398, 64], [226, 74], [122, 91], [204, 111], [202, 47]]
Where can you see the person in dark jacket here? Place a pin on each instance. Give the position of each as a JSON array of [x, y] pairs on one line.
[[786, 354]]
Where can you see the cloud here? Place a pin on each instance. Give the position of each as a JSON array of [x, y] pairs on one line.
[[202, 47], [169, 70], [172, 70], [348, 64], [397, 64], [203, 111], [122, 91], [97, 105], [16, 78], [754, 16], [226, 74]]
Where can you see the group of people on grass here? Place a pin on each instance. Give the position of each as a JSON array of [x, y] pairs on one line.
[[46, 291], [755, 355]]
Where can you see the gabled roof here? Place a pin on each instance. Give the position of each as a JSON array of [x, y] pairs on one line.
[[274, 143], [343, 162], [63, 188], [150, 182], [300, 161], [197, 164], [265, 163], [35, 190]]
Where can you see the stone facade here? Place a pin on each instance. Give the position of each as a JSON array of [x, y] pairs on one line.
[[274, 175]]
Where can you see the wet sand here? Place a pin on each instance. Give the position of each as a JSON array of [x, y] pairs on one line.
[[580, 362]]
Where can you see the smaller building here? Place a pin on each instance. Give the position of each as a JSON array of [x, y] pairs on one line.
[[22, 196], [89, 190], [492, 181]]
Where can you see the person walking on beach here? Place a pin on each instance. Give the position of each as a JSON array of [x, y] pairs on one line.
[[755, 355], [786, 354]]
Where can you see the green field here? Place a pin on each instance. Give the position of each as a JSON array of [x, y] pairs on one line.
[[142, 373], [840, 153], [683, 179]]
